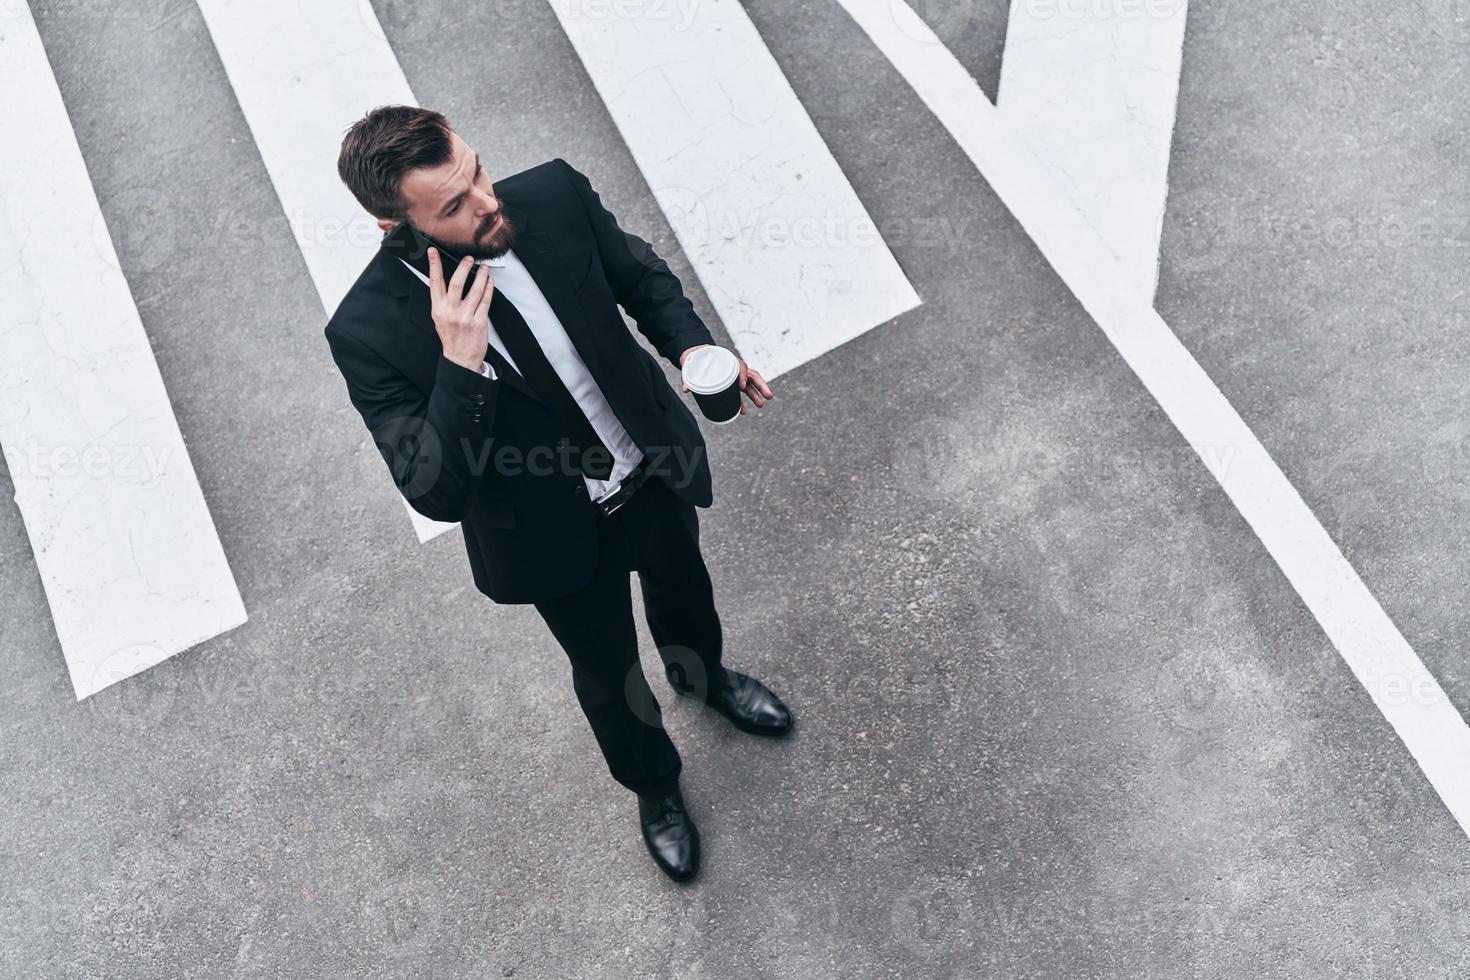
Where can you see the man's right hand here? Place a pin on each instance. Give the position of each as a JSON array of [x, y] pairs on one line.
[[463, 324]]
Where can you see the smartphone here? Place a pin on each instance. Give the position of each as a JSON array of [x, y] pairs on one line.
[[412, 246]]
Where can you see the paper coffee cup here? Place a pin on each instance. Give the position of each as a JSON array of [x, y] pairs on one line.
[[712, 374]]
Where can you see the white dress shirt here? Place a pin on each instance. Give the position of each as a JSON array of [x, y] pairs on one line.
[[514, 280]]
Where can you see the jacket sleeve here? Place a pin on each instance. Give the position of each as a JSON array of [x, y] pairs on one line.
[[437, 447], [641, 281]]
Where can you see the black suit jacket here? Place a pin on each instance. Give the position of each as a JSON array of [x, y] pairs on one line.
[[460, 446]]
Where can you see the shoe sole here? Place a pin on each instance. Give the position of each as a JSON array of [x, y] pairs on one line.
[[754, 730]]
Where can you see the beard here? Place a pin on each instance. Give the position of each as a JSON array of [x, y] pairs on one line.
[[488, 244]]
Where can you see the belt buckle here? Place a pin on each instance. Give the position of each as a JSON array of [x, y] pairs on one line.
[[625, 488], [612, 500]]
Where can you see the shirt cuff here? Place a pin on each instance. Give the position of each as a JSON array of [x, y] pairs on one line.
[[487, 370]]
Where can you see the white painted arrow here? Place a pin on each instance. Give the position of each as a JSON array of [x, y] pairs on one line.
[[1402, 688], [1091, 86]]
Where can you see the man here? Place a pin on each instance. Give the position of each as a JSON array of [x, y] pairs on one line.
[[525, 409]]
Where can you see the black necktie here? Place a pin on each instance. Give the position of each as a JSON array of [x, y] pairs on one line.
[[586, 449]]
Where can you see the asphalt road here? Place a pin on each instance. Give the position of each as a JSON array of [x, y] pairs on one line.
[[1060, 715]]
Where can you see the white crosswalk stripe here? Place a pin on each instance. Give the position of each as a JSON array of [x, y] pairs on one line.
[[123, 539], [303, 73], [787, 253]]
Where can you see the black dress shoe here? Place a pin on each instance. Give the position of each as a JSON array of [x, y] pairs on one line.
[[751, 705], [670, 834]]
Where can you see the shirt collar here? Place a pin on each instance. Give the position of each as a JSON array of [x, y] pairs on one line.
[[499, 263]]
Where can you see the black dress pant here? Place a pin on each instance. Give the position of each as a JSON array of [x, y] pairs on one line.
[[656, 534]]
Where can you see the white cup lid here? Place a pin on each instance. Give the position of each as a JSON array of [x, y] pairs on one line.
[[710, 369]]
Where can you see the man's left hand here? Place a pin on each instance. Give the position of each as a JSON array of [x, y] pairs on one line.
[[751, 383]]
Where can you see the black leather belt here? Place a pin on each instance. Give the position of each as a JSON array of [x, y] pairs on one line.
[[626, 486]]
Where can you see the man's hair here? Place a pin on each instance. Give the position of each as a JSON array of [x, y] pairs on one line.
[[384, 145]]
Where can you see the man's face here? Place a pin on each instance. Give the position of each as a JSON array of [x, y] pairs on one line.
[[455, 203]]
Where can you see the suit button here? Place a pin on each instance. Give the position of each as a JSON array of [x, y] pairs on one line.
[[563, 442]]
